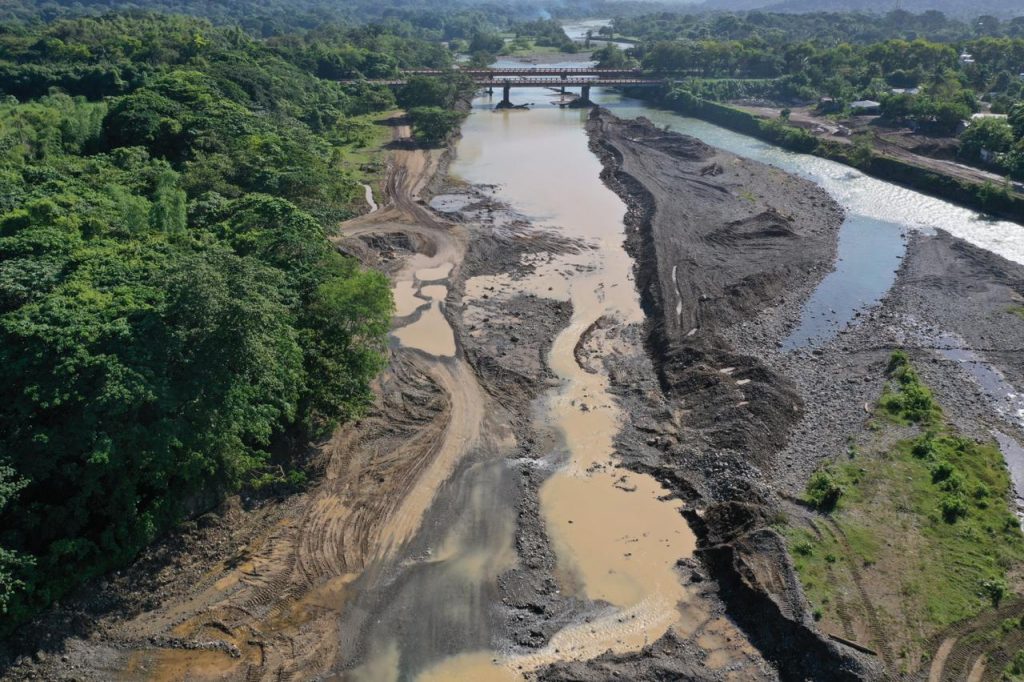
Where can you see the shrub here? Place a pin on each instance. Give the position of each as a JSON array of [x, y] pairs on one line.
[[803, 548], [1010, 624], [899, 359], [953, 507], [824, 491], [954, 483], [1016, 667], [924, 447], [995, 590], [941, 471], [912, 401]]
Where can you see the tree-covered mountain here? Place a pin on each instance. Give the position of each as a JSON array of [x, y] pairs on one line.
[[956, 8]]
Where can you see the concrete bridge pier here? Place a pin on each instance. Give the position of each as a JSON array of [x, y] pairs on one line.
[[506, 102], [585, 94]]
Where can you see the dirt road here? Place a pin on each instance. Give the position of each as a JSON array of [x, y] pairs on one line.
[[887, 142]]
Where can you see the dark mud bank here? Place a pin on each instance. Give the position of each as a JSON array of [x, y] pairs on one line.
[[717, 238]]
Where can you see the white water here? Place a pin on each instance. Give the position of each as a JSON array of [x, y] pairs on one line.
[[859, 194]]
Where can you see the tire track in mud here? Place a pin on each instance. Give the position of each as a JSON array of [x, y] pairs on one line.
[[840, 601], [878, 633], [286, 588], [977, 649]]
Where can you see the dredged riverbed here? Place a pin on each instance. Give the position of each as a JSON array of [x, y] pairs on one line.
[[616, 537], [540, 165]]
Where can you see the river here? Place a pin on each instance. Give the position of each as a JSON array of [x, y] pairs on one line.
[[617, 539]]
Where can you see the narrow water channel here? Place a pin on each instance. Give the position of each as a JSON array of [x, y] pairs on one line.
[[617, 541]]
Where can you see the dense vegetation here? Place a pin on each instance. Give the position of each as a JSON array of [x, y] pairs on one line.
[[171, 310], [929, 73], [828, 27], [958, 8]]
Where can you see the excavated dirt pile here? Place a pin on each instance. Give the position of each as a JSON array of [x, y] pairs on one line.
[[717, 238]]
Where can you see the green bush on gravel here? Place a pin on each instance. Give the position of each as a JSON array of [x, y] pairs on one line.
[[946, 497], [824, 491], [905, 399]]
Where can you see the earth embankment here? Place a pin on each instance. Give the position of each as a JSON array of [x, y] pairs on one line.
[[717, 239]]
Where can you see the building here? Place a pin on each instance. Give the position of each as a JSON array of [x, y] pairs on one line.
[[865, 107]]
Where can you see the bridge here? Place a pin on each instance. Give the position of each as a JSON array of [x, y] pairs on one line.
[[555, 78], [526, 71]]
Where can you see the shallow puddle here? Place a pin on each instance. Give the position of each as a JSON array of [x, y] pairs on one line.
[[369, 198], [406, 300], [450, 203], [433, 274], [1013, 453], [430, 333], [1007, 400]]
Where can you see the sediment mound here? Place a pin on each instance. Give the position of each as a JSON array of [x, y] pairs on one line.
[[713, 248], [717, 238]]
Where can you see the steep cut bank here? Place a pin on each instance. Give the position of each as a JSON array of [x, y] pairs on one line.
[[718, 238]]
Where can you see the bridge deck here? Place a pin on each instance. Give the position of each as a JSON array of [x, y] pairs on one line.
[[559, 82], [526, 71], [541, 82]]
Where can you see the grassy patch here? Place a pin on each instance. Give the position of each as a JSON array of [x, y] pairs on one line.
[[1015, 669], [1017, 310], [360, 143], [925, 521], [526, 47]]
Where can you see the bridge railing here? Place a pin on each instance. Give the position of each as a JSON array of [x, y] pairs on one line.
[[536, 81], [575, 70]]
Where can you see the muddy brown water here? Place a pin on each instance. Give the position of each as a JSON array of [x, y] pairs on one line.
[[616, 537]]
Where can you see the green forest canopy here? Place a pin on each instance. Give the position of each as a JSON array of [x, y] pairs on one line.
[[171, 309]]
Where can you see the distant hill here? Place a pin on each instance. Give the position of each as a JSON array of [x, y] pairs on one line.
[[953, 8]]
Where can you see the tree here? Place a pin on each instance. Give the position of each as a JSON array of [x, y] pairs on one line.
[[433, 124], [167, 214], [486, 42], [171, 310], [1016, 120], [986, 134], [612, 57], [481, 60], [427, 91], [344, 326], [11, 563]]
